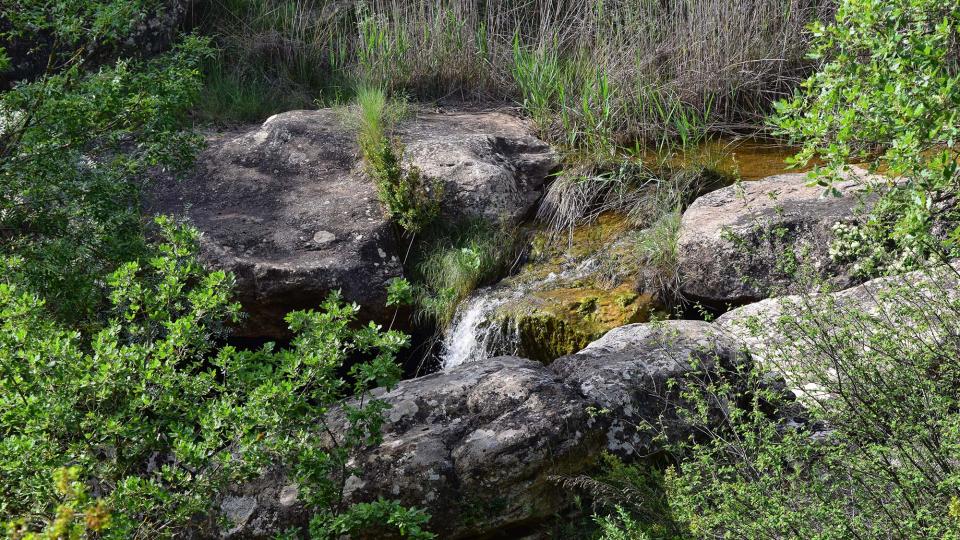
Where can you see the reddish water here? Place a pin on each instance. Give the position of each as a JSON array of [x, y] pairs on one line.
[[751, 159]]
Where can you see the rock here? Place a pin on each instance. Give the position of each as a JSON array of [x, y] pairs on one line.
[[747, 242], [626, 372], [491, 164], [549, 323], [474, 446], [261, 508], [768, 330], [285, 205]]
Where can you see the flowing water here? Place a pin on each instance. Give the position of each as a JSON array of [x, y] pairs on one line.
[[472, 335], [476, 332]]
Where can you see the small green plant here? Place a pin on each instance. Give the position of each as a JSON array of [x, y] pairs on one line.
[[542, 80], [409, 197], [379, 518], [452, 264], [77, 515], [658, 252]]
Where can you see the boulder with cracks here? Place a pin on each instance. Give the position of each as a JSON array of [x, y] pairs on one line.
[[749, 241]]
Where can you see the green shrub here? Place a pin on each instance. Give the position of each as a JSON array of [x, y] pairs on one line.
[[876, 451], [409, 197], [870, 447], [74, 142], [162, 419], [887, 94], [114, 375]]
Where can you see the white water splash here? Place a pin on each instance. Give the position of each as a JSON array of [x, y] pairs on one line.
[[477, 334], [468, 337]]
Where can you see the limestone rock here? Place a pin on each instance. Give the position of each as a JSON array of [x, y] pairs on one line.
[[769, 329], [287, 208], [626, 372], [490, 163], [283, 207]]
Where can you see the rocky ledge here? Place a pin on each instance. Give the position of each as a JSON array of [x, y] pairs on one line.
[[478, 446], [285, 205]]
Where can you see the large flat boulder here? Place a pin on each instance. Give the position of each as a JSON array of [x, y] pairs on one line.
[[474, 446], [626, 373], [750, 241], [286, 207]]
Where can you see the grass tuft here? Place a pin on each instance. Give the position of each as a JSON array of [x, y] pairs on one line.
[[452, 264]]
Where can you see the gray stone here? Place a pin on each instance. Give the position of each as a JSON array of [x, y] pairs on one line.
[[626, 372], [768, 329], [286, 207], [260, 196], [743, 243], [490, 163], [474, 446]]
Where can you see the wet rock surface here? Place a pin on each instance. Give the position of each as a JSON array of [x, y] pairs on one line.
[[285, 205], [474, 447], [573, 289], [747, 242]]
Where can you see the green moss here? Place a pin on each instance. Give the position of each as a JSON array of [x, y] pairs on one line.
[[562, 321]]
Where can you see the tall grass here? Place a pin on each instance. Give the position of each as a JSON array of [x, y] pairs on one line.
[[410, 198], [589, 71]]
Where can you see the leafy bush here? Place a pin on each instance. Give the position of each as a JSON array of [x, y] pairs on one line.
[[73, 142], [158, 417], [874, 453], [114, 374], [870, 446], [888, 94], [409, 197]]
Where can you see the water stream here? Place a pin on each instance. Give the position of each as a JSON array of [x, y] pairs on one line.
[[472, 335], [477, 332]]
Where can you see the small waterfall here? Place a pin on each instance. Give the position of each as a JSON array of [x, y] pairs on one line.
[[476, 334], [472, 335]]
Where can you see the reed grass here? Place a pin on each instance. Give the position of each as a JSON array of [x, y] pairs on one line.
[[592, 73]]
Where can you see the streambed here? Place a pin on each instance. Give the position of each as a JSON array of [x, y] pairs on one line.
[[575, 287]]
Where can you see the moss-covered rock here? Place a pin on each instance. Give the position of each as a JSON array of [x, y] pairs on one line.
[[552, 323], [575, 287]]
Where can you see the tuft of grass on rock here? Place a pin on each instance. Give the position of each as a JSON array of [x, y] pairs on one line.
[[452, 264]]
